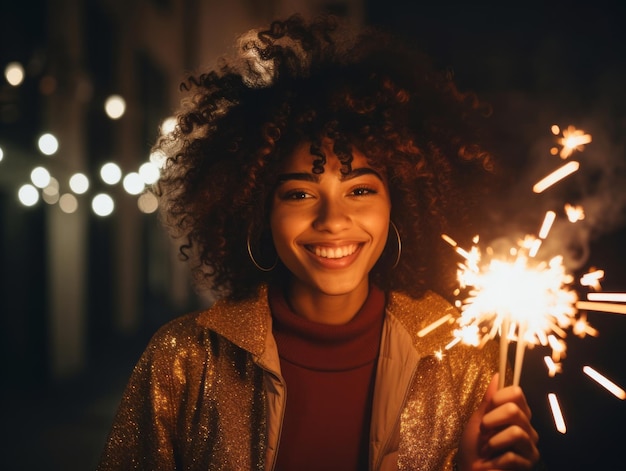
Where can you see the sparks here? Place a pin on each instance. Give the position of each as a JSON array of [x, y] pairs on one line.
[[582, 328], [553, 368], [558, 347], [574, 213], [592, 279], [557, 415], [548, 220], [518, 298], [605, 382], [556, 176], [603, 307], [429, 328], [573, 140], [609, 297]]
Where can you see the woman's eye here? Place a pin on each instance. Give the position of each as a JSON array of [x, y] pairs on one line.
[[363, 191], [295, 195]]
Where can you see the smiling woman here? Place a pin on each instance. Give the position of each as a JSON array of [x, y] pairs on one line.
[[310, 178], [329, 229]]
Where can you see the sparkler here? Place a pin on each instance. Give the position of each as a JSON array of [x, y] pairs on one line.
[[528, 300], [517, 297]]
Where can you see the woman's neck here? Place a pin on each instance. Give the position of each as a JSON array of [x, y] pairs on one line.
[[323, 308]]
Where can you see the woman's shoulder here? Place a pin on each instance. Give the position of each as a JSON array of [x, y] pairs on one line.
[[241, 322], [423, 310], [429, 319], [178, 334]]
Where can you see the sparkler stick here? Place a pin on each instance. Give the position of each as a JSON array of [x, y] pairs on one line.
[[519, 354], [504, 348]]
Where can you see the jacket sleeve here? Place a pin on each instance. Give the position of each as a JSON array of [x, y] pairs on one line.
[[472, 369], [143, 431], [443, 396]]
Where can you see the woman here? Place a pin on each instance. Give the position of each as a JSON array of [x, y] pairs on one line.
[[310, 178]]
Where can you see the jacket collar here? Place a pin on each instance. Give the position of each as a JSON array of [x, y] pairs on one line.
[[245, 323]]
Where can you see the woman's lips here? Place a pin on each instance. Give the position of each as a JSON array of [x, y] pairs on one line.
[[334, 257], [332, 252]]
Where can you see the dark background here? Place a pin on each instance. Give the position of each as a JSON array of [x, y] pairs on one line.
[[538, 65]]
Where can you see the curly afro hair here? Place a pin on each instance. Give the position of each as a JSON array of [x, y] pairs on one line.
[[304, 81]]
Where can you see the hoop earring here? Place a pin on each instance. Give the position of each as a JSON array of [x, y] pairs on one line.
[[255, 262], [399, 240]]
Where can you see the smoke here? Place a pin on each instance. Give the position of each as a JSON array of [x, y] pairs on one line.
[[599, 186]]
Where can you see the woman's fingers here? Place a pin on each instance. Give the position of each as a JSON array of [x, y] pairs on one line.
[[511, 439], [506, 429]]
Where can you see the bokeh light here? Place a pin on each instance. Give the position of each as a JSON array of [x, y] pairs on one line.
[[50, 194], [1, 154], [79, 183], [158, 158], [28, 195], [147, 203], [48, 144], [14, 73], [102, 204], [168, 125], [111, 173], [52, 198], [149, 173], [68, 203], [40, 177], [133, 183], [115, 107]]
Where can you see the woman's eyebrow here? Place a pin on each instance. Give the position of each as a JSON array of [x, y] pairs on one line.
[[315, 178], [357, 172], [301, 176]]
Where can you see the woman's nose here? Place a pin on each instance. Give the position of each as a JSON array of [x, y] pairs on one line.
[[332, 216]]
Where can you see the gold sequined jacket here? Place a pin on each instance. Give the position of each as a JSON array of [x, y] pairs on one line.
[[207, 394]]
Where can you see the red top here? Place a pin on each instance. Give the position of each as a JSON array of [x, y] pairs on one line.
[[329, 371]]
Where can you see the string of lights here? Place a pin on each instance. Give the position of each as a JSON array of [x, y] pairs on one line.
[[47, 187]]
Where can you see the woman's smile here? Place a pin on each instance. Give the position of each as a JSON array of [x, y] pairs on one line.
[[332, 252]]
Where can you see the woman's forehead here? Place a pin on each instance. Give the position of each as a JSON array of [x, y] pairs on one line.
[[302, 158]]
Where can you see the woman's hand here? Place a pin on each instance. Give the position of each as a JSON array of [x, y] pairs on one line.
[[499, 434]]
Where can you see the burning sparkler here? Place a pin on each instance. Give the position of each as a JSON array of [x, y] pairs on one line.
[[517, 297], [528, 300]]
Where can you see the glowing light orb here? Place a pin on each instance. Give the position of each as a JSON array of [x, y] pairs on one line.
[[48, 144], [115, 106]]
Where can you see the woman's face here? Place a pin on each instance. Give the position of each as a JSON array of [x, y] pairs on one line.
[[329, 229]]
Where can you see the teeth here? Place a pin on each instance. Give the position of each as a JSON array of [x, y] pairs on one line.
[[335, 252]]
